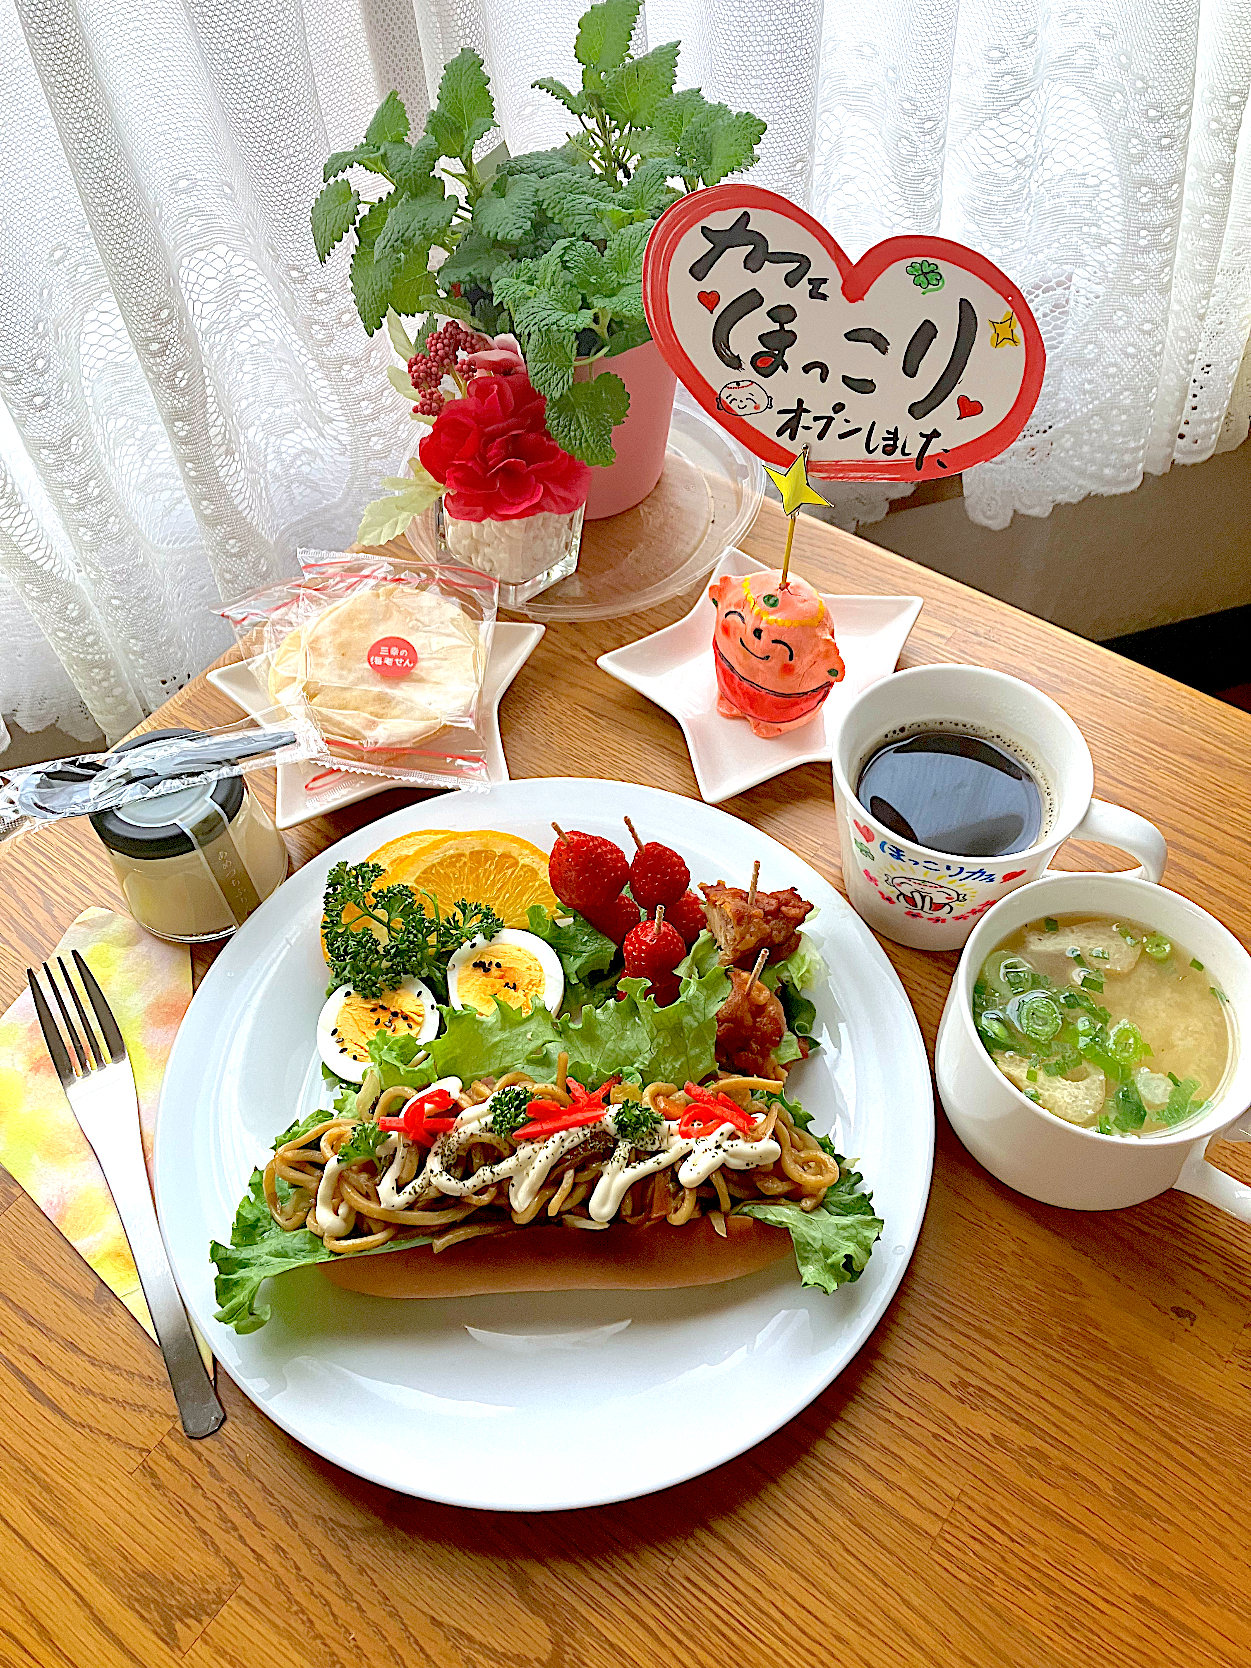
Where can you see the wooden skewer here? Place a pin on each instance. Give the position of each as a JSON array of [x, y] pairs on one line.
[[755, 973], [660, 908], [751, 890], [561, 832], [786, 554], [634, 833]]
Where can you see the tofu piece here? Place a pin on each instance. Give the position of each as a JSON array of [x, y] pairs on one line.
[[1115, 955], [1076, 1100]]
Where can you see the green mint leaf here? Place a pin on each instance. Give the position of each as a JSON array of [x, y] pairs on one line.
[[832, 1243], [728, 145], [648, 191], [581, 421], [673, 115], [465, 111], [588, 269], [632, 92], [549, 360], [364, 156], [412, 167], [371, 279], [578, 202], [414, 223], [573, 102], [605, 33], [508, 217], [473, 261], [334, 213], [623, 255], [390, 121], [414, 288], [624, 335], [538, 163]]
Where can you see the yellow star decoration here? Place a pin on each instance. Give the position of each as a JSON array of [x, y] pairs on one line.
[[793, 484], [1003, 331]]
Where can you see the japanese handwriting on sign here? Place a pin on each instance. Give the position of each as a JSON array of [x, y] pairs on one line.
[[918, 359]]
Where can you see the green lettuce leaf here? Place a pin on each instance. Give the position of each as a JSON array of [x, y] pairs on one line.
[[481, 1045], [832, 1243], [670, 1044], [584, 951], [259, 1250], [789, 978]]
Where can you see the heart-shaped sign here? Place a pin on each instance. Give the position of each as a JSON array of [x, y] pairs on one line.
[[869, 363], [866, 834], [1013, 874]]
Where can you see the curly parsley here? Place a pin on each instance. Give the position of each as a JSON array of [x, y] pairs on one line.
[[509, 1110], [634, 1122], [377, 938]]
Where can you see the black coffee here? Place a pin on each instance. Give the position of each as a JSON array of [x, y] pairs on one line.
[[953, 793]]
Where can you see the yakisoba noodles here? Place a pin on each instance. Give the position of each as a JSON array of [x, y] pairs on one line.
[[474, 1182]]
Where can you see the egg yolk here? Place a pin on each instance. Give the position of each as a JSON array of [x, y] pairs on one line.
[[508, 971], [360, 1017]]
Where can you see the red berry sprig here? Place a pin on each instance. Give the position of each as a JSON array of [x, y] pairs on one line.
[[657, 874], [426, 370], [652, 951], [586, 871]]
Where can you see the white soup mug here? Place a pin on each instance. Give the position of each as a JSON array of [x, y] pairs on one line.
[[1060, 1163], [931, 899]]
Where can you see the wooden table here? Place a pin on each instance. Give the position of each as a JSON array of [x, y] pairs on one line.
[[1038, 1459]]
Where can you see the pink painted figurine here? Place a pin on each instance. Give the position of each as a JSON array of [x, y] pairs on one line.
[[773, 644]]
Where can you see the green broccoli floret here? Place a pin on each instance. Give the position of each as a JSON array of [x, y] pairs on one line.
[[510, 1109], [636, 1123]]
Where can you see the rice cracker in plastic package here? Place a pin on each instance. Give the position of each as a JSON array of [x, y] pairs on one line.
[[385, 663]]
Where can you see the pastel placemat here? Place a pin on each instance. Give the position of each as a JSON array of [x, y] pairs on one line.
[[148, 986]]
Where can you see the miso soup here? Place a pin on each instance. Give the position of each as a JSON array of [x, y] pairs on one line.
[[1105, 1023]]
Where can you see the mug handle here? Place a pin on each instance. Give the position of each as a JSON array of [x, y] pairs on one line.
[[1113, 825], [1205, 1181]]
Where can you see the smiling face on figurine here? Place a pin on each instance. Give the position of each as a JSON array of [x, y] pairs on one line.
[[774, 649]]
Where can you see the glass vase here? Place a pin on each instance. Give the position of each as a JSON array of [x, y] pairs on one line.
[[526, 554]]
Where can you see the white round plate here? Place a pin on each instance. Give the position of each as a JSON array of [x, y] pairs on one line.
[[481, 1401]]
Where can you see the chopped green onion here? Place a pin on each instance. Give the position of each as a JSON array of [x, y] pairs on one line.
[[994, 1031], [1173, 1077], [1074, 954], [1196, 964], [1036, 1014], [1157, 946], [1129, 1111], [1050, 924], [1031, 1075], [1127, 935], [1104, 1126], [1091, 981], [1099, 955], [1031, 1094], [1219, 994], [1125, 1041], [1181, 1103]]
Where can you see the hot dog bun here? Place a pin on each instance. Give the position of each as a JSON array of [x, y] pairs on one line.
[[557, 1259]]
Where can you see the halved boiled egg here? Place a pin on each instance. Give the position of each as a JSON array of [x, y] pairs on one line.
[[348, 1022], [516, 966]]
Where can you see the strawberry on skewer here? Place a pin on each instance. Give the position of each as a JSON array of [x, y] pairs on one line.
[[652, 951], [586, 871], [657, 873]]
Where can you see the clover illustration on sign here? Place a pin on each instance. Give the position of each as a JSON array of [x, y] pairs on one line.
[[925, 275]]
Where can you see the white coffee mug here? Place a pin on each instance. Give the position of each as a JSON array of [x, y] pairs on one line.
[[931, 899], [1060, 1163]]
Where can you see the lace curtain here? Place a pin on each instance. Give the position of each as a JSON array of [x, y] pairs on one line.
[[186, 396]]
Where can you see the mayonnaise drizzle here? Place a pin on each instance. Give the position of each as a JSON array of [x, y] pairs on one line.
[[333, 1220], [527, 1169]]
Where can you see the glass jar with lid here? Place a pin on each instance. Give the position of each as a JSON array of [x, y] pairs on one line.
[[193, 864]]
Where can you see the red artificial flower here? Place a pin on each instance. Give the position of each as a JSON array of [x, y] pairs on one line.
[[492, 453]]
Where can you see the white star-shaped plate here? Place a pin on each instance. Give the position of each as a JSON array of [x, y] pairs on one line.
[[308, 789], [674, 669]]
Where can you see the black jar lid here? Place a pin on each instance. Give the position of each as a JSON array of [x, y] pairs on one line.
[[162, 839]]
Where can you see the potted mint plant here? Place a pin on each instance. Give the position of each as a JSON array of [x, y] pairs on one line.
[[547, 247]]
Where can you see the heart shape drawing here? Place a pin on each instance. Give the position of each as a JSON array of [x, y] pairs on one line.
[[860, 361], [1013, 874], [866, 834]]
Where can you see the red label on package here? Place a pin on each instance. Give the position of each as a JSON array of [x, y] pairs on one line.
[[392, 657]]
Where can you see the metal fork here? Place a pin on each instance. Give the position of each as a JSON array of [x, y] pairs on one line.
[[101, 1093]]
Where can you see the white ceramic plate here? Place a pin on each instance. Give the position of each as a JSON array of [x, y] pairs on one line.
[[482, 1401], [307, 789], [674, 669]]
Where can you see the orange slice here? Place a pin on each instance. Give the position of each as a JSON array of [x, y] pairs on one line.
[[486, 866]]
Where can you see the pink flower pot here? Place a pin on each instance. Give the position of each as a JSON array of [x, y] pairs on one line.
[[641, 440]]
